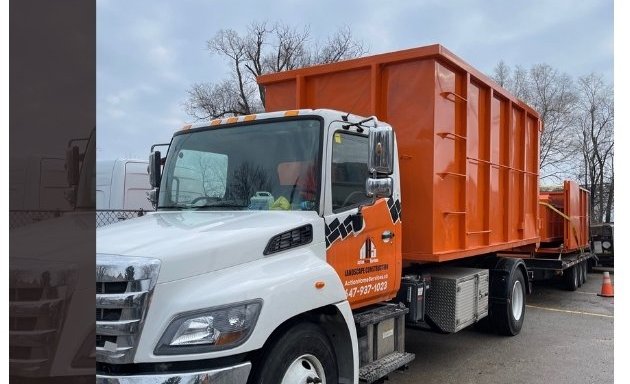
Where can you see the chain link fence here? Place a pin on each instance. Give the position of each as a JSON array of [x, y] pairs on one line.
[[111, 216], [20, 218]]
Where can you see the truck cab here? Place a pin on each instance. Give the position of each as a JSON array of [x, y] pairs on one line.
[[247, 244]]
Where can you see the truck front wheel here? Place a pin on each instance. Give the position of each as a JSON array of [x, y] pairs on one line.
[[509, 317], [303, 354]]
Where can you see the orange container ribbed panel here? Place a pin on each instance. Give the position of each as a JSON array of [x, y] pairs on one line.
[[469, 150]]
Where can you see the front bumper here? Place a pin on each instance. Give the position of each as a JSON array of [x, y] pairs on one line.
[[230, 375]]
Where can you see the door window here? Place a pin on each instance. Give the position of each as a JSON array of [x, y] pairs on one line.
[[349, 170]]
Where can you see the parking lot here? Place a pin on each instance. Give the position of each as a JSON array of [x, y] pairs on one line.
[[567, 338]]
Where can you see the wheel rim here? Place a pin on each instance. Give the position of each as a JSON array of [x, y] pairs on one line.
[[517, 300], [305, 369]]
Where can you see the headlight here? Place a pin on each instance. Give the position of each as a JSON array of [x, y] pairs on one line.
[[210, 329]]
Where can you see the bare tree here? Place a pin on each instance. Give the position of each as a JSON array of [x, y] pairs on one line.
[[207, 100], [248, 179], [502, 74], [263, 49], [578, 119], [595, 113], [552, 94], [213, 173], [340, 46], [519, 83]]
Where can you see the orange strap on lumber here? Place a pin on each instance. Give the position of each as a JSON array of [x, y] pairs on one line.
[[566, 217]]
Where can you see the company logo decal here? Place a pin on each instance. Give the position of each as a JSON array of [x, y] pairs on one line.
[[367, 254]]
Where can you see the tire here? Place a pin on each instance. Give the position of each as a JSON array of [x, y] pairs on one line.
[[572, 278], [585, 278], [303, 351], [583, 269], [579, 273], [508, 318]]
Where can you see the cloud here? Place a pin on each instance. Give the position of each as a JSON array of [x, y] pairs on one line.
[[116, 113], [127, 95], [150, 52]]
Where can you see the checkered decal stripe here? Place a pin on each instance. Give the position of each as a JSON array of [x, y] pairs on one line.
[[394, 209], [336, 229]]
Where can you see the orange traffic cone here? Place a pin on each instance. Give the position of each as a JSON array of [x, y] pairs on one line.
[[607, 287]]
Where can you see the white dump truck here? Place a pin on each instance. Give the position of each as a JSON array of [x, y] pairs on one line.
[[294, 246]]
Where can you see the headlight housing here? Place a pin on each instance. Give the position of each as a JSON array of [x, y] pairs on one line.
[[211, 329]]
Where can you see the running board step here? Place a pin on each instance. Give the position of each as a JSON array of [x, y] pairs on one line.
[[381, 337], [384, 366], [379, 313]]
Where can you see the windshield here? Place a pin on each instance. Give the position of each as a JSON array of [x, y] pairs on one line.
[[264, 166]]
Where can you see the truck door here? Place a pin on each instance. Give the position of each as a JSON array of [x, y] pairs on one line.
[[366, 256]]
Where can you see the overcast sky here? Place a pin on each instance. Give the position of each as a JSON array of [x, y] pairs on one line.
[[149, 52]]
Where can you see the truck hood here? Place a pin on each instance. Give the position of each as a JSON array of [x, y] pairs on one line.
[[193, 243], [61, 247]]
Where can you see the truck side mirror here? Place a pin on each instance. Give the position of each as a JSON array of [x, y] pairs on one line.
[[155, 169], [152, 196], [379, 187], [381, 150], [380, 161], [72, 165]]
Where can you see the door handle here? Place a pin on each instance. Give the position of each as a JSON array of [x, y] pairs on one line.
[[387, 236]]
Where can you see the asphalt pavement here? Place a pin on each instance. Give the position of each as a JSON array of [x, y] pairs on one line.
[[567, 338]]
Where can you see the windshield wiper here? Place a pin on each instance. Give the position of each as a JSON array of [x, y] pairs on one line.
[[173, 207], [221, 204]]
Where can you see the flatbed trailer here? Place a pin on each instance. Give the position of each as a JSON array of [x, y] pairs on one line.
[[565, 247]]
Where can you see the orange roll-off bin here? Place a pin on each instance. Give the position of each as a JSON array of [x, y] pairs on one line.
[[565, 219], [468, 149]]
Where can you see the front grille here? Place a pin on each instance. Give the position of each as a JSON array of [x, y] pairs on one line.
[[112, 287], [105, 314], [22, 323], [19, 353], [25, 294], [123, 289], [100, 340], [38, 297]]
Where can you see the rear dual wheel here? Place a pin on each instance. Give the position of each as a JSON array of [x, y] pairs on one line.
[[584, 271], [508, 317], [572, 278]]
